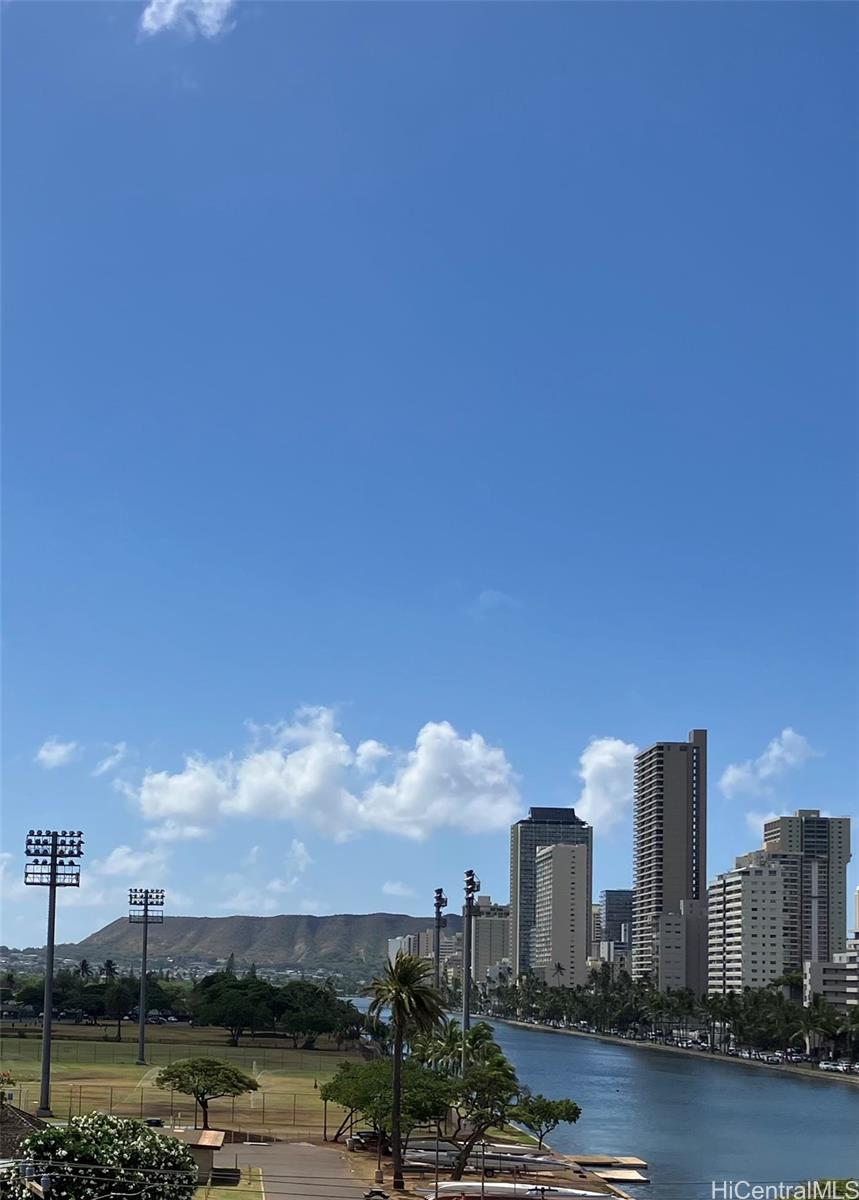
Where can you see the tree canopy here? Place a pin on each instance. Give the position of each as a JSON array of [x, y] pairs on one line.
[[205, 1079], [540, 1115]]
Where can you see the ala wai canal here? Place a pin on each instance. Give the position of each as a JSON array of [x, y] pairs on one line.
[[693, 1120]]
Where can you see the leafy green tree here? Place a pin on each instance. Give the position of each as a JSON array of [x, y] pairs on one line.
[[485, 1098], [405, 991], [205, 1079], [97, 1155], [367, 1088], [234, 1004], [540, 1115]]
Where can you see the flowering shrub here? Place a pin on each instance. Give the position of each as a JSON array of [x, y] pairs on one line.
[[99, 1156]]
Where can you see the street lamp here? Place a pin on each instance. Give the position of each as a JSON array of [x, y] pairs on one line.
[[53, 854], [440, 923], [145, 908], [472, 887]]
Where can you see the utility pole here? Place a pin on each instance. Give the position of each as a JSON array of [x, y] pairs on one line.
[[440, 923], [472, 887], [145, 908], [53, 865]]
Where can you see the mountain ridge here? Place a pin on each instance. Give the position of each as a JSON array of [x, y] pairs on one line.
[[285, 940]]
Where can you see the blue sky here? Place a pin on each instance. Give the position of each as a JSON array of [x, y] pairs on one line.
[[410, 409]]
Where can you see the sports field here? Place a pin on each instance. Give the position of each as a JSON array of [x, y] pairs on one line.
[[90, 1073]]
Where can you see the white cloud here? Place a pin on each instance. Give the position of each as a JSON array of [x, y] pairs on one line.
[[305, 771], [176, 831], [447, 780], [298, 857], [54, 753], [786, 752], [370, 754], [490, 600], [606, 771], [194, 792], [125, 861], [207, 17], [394, 887], [112, 760]]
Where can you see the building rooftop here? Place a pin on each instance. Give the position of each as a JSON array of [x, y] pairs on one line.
[[562, 816]]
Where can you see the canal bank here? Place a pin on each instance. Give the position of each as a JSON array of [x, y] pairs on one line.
[[802, 1070]]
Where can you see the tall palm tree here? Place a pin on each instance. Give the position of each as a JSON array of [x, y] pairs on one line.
[[558, 972], [84, 969], [108, 970], [405, 992], [816, 1019]]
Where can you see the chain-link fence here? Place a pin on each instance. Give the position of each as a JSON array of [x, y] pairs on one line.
[[108, 1052], [270, 1113]]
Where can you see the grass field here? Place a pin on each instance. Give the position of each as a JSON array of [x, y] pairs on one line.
[[249, 1187], [91, 1074]]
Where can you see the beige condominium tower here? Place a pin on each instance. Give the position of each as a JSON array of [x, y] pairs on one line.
[[819, 849], [670, 863], [542, 827]]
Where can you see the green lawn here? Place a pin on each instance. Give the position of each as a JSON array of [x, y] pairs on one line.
[[248, 1188], [97, 1075]]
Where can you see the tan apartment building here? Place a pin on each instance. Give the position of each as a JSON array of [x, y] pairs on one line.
[[669, 841], [542, 827], [490, 936], [563, 914], [820, 847]]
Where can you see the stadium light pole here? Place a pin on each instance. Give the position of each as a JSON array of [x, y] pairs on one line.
[[440, 922], [472, 887], [53, 864], [145, 907]]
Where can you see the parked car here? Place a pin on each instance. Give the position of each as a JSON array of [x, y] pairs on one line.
[[367, 1139]]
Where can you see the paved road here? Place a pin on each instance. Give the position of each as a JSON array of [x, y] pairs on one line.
[[293, 1169]]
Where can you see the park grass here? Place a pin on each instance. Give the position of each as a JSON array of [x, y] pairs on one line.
[[101, 1075], [249, 1187]]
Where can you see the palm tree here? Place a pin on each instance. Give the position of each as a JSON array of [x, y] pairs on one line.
[[84, 969], [108, 970], [815, 1019], [558, 972], [414, 1006]]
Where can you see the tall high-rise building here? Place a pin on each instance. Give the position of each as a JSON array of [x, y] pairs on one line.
[[813, 853], [824, 845], [669, 839], [490, 936], [749, 916], [542, 827], [615, 911], [563, 914]]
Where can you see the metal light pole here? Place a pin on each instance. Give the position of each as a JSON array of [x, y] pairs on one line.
[[472, 887], [440, 923], [145, 908], [53, 865]]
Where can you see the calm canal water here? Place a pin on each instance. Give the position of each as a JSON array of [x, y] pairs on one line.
[[693, 1120]]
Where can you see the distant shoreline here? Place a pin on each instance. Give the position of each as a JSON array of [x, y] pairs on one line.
[[794, 1070]]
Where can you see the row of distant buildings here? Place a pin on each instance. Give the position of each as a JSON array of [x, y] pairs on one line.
[[780, 911]]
